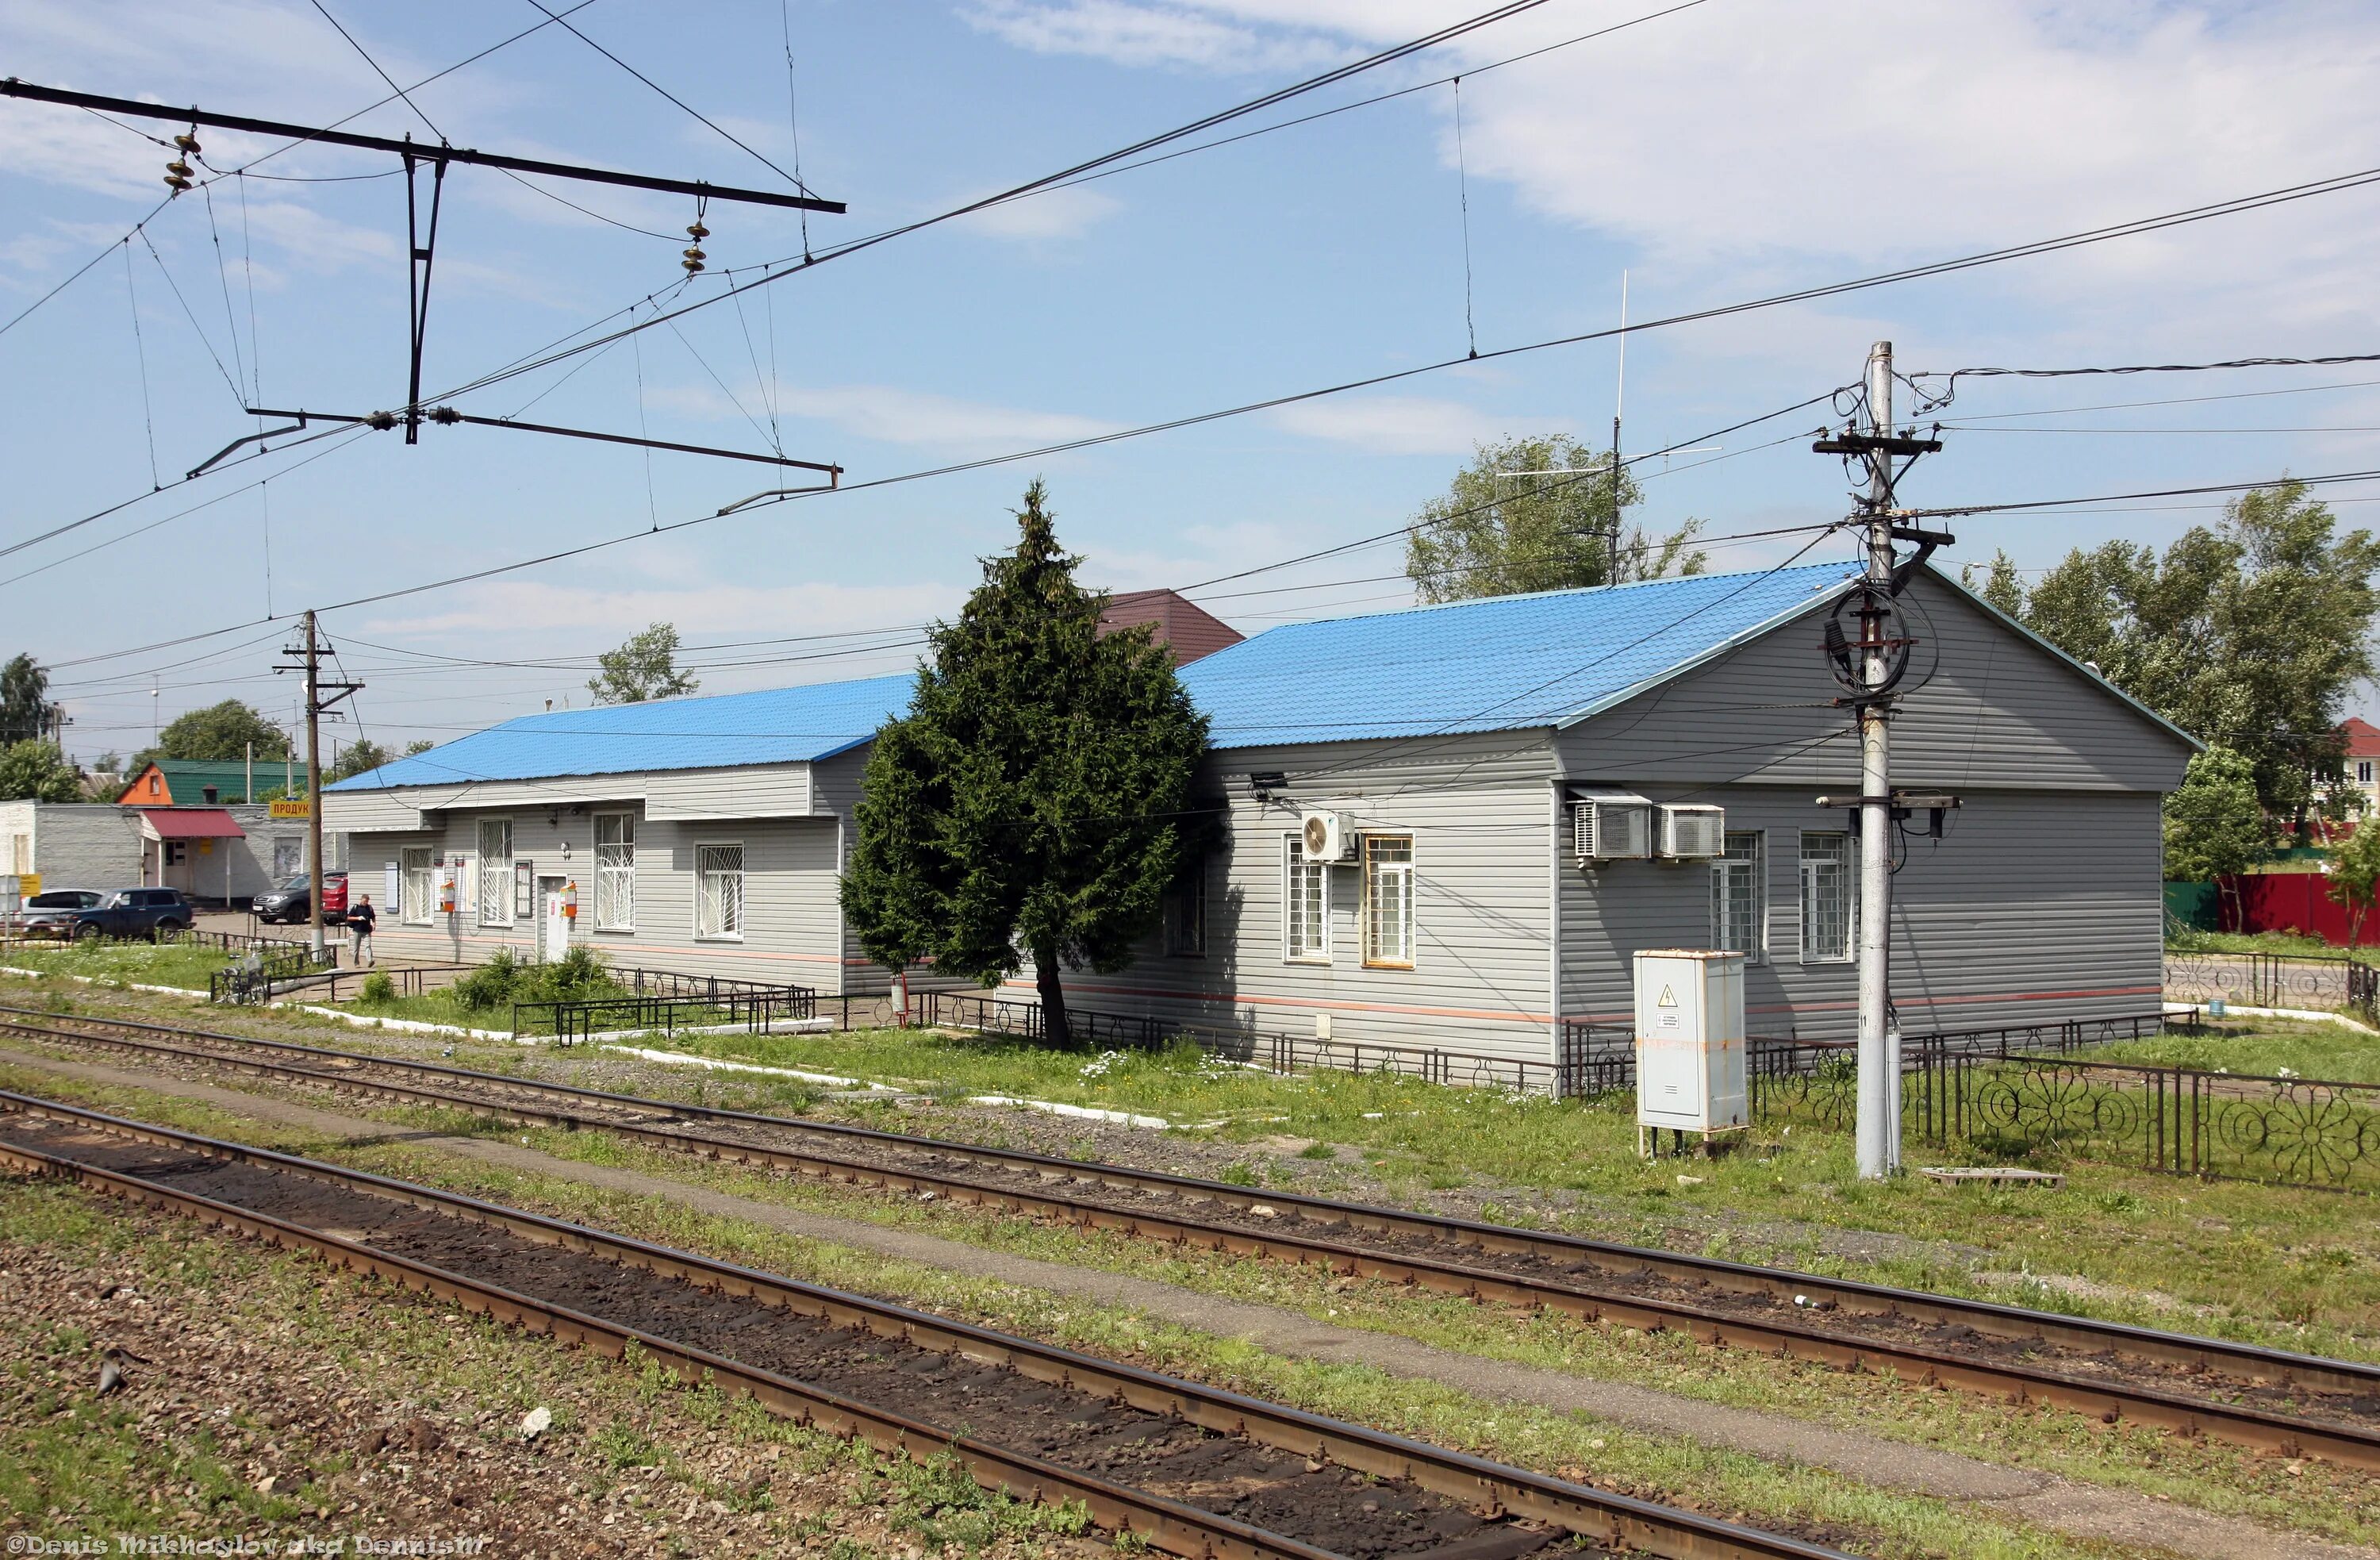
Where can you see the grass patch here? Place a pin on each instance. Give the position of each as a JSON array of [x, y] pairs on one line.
[[153, 964], [2189, 940], [2319, 1051]]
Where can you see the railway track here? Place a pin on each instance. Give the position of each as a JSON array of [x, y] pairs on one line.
[[2270, 1399], [1194, 1469]]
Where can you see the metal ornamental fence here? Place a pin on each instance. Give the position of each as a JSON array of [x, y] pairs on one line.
[[2179, 1120], [2305, 980], [1581, 1067]]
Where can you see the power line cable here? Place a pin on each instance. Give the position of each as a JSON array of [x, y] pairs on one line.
[[1253, 105], [140, 351], [245, 167], [794, 179], [1952, 512], [1932, 399]]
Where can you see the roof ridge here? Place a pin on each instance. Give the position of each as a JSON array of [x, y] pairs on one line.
[[1470, 602]]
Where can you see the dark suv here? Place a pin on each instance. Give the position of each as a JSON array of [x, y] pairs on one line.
[[293, 901], [136, 912]]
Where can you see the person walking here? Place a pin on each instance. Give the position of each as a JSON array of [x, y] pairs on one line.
[[361, 918]]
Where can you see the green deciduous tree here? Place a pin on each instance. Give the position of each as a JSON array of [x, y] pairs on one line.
[[1494, 533], [2355, 876], [24, 699], [2214, 828], [360, 755], [220, 733], [1033, 799], [2251, 634], [32, 771], [645, 666]]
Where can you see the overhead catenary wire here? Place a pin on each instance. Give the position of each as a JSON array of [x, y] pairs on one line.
[[141, 354], [245, 168]]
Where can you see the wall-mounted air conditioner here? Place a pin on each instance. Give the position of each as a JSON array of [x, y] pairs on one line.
[[1693, 830], [1328, 837], [1610, 826]]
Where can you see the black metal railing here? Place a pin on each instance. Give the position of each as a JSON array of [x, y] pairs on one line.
[[1583, 1066], [2263, 979], [2005, 1101], [253, 976], [755, 1007]]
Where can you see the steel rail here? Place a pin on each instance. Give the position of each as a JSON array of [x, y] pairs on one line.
[[1499, 1490], [1798, 1333]]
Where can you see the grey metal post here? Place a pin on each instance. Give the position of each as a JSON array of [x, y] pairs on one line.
[[1879, 1082]]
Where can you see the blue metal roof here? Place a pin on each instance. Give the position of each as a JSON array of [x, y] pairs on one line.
[[1495, 665], [778, 726]]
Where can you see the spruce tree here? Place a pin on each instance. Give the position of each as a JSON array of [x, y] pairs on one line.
[[1034, 801]]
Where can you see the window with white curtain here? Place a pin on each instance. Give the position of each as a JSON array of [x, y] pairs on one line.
[[719, 891], [1829, 898], [496, 871], [1740, 896], [1389, 901], [1305, 905], [615, 872], [418, 896]]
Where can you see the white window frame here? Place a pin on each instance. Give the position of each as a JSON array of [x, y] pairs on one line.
[[1813, 868], [495, 885], [701, 893], [1731, 873], [616, 911], [414, 865], [1388, 883], [1295, 869]]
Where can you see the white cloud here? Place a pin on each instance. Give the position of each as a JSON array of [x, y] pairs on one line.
[[1131, 34], [1407, 424], [892, 415], [1055, 215]]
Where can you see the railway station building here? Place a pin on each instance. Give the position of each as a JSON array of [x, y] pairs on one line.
[[1448, 826]]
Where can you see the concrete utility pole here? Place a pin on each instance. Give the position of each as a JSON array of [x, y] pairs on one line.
[[1879, 1070], [1869, 667]]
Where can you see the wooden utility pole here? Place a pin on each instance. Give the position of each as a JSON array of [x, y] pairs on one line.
[[307, 657]]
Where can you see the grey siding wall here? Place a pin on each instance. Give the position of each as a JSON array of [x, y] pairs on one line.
[[791, 930], [2037, 906], [1987, 708], [79, 845], [1477, 810]]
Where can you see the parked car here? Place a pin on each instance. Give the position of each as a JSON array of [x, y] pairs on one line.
[[51, 913], [136, 912], [293, 901]]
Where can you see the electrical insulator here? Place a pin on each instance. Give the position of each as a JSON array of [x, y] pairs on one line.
[[176, 183], [178, 175], [697, 231], [693, 262], [188, 143]]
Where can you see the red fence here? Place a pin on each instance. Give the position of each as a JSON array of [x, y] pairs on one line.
[[2297, 902]]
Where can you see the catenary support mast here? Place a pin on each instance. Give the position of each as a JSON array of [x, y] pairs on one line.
[[1879, 1077]]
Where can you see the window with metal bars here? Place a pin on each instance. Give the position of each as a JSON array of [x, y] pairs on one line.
[[1305, 905], [417, 897], [1740, 896], [496, 871], [1389, 901], [1829, 898], [615, 872], [719, 891]]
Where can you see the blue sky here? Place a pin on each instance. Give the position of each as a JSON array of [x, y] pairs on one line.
[[1724, 152]]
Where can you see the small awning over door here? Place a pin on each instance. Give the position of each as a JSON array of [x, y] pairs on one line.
[[188, 823]]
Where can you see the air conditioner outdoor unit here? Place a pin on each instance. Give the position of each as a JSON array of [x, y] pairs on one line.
[[1328, 837], [1610, 826], [1691, 830]]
